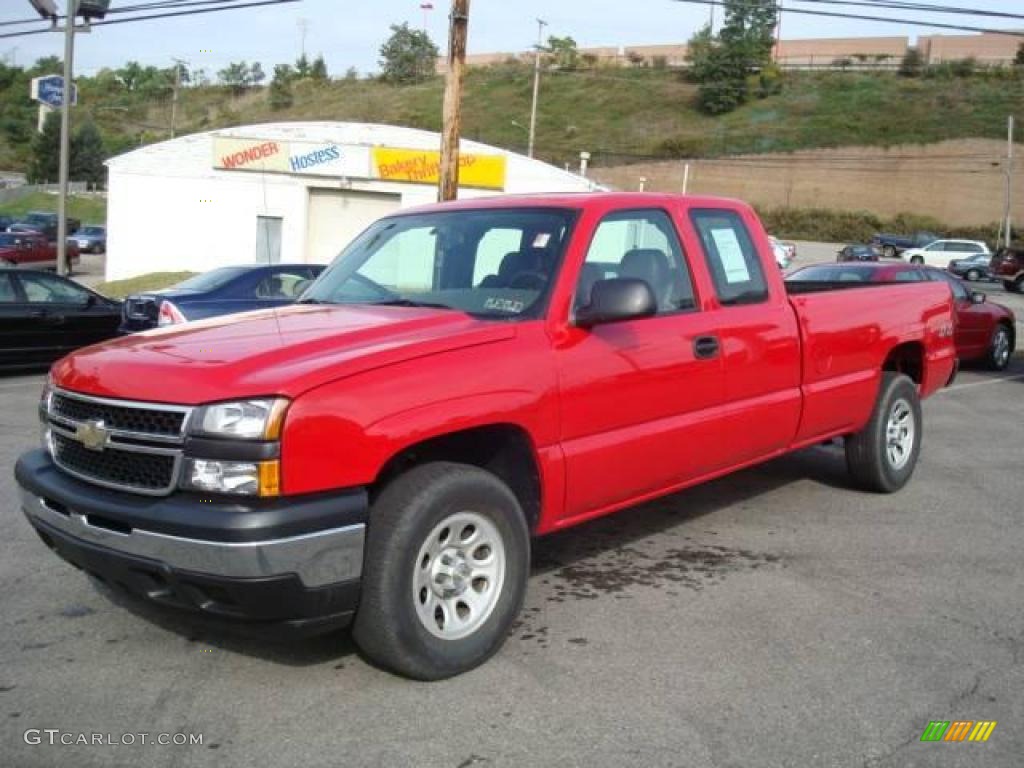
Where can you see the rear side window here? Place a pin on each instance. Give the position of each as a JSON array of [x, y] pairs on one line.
[[7, 293], [731, 256]]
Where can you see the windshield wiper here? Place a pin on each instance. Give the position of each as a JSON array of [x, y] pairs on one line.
[[408, 303], [310, 301]]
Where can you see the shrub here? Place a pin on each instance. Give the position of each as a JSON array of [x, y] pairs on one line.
[[912, 63]]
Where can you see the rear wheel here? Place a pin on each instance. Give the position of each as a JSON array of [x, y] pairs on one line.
[[1017, 286], [882, 456], [889, 252], [1000, 349], [973, 275], [445, 571]]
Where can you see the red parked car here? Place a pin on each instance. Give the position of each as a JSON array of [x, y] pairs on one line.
[[32, 249], [1008, 265], [464, 377], [985, 331]]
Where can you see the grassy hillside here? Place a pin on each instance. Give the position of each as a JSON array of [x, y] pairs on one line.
[[615, 113], [86, 208]]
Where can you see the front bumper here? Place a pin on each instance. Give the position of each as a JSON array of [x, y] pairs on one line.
[[291, 563]]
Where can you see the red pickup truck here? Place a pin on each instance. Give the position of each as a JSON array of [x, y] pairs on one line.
[[462, 378], [32, 249]]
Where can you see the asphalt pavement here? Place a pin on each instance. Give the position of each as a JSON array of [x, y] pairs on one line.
[[772, 618]]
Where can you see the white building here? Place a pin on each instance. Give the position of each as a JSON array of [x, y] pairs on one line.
[[286, 192]]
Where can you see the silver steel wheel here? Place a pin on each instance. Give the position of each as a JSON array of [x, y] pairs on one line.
[[973, 275], [900, 434], [1001, 348], [458, 575]]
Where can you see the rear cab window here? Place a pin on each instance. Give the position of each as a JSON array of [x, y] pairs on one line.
[[732, 259]]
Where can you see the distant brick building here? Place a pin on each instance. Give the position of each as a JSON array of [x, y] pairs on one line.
[[995, 50]]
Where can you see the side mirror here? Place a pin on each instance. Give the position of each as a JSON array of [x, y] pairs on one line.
[[978, 298], [615, 300]]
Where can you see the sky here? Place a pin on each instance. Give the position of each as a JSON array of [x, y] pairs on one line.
[[349, 34]]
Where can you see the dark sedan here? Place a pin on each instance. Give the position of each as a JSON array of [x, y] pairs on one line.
[[43, 317], [91, 239], [858, 253], [222, 291], [972, 268]]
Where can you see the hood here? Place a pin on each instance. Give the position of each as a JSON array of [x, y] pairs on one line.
[[268, 352]]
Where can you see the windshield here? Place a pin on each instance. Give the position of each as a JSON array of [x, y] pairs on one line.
[[490, 263], [209, 281]]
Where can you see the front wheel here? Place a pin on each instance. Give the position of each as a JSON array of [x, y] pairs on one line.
[[1000, 349], [917, 260], [882, 456], [444, 572], [973, 275], [889, 252]]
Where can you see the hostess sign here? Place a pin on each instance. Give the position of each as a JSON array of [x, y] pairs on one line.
[[49, 90], [303, 157], [414, 166]]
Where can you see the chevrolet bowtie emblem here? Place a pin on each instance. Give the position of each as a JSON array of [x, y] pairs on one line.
[[92, 435]]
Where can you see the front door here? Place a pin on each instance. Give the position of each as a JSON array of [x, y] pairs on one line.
[[639, 398]]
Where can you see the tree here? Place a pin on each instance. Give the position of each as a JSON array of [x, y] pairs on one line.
[[1019, 58], [302, 67], [236, 76], [408, 56], [256, 74], [45, 164], [912, 63], [563, 52], [87, 155], [318, 71], [722, 65], [281, 87]]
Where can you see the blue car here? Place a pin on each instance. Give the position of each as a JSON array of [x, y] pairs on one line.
[[222, 291], [90, 239]]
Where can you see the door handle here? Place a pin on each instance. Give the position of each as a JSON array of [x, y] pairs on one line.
[[705, 347]]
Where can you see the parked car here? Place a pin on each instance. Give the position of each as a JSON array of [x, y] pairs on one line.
[[985, 331], [91, 239], [44, 316], [785, 253], [858, 253], [891, 246], [33, 250], [5, 222], [941, 252], [1008, 266], [973, 268], [382, 451], [221, 291], [43, 222]]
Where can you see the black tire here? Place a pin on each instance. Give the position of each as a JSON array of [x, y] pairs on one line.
[[999, 356], [889, 252], [388, 627], [973, 275], [867, 453], [917, 260], [1017, 286]]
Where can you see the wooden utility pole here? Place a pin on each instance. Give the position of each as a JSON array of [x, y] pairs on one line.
[[1009, 182], [448, 184]]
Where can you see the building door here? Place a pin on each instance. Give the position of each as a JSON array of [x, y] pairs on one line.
[[268, 239], [337, 216]]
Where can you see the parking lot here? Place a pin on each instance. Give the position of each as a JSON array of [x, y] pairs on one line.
[[774, 618]]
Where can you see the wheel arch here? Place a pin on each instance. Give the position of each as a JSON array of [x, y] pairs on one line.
[[907, 358]]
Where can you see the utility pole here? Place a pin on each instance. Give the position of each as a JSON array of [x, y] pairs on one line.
[[178, 64], [303, 27], [448, 182], [63, 267], [1009, 181], [536, 85]]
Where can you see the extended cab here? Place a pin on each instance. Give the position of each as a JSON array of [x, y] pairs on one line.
[[464, 377]]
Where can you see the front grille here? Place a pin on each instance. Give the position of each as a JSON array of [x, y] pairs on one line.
[[126, 468], [141, 420]]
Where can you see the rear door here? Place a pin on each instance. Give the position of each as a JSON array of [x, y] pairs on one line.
[[758, 333], [973, 321], [19, 333], [65, 315], [639, 399]]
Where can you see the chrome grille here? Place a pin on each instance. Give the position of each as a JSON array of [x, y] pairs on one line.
[[120, 444]]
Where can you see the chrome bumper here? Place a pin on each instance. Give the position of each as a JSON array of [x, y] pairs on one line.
[[320, 558]]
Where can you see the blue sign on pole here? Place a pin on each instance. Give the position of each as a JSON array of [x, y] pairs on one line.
[[49, 90]]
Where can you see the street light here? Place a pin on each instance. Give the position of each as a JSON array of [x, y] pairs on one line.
[[45, 8]]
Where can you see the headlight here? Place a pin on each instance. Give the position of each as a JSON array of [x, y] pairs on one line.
[[45, 399], [248, 478], [244, 420]]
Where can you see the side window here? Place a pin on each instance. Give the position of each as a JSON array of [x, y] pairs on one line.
[[731, 256], [44, 289], [640, 244], [282, 285], [907, 276], [8, 294]]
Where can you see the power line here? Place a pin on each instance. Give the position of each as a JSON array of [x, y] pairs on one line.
[[863, 17], [220, 7], [915, 7]]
